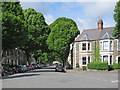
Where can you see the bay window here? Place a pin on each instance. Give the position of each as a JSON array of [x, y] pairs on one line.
[[105, 45], [83, 46], [111, 45]]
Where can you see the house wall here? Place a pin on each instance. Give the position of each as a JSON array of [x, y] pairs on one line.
[[78, 53], [17, 59], [75, 54], [116, 51]]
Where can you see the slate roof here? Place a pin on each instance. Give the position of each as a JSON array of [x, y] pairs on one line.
[[96, 34]]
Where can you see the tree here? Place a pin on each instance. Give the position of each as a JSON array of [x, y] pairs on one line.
[[63, 33], [38, 32], [13, 32], [116, 31]]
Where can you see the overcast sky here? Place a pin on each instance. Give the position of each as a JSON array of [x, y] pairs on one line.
[[85, 14]]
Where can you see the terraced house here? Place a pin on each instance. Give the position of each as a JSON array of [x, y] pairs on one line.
[[84, 47]]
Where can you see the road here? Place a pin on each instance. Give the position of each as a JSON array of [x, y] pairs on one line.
[[48, 78]]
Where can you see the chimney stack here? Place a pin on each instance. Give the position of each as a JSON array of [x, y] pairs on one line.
[[100, 24]]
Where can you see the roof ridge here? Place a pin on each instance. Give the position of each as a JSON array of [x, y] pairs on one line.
[[98, 29]]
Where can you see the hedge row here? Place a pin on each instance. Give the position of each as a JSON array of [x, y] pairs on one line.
[[116, 66], [102, 65], [98, 65]]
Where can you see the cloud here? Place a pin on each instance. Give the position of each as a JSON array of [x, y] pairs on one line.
[[49, 19], [92, 23], [86, 23], [98, 9], [38, 6]]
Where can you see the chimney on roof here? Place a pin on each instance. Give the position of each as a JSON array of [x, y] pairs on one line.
[[100, 24]]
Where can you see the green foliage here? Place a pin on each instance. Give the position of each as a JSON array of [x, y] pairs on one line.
[[96, 53], [63, 33], [49, 57], [13, 33], [116, 31], [37, 29], [116, 66], [77, 64], [97, 65]]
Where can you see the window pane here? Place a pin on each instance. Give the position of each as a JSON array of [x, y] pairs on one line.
[[88, 59], [119, 45], [111, 45], [84, 60], [105, 45], [84, 46], [88, 46]]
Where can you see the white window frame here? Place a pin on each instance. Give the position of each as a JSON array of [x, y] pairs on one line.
[[82, 61], [117, 45], [85, 46], [106, 47]]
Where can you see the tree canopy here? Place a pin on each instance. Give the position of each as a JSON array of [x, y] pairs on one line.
[[116, 31], [63, 33], [13, 34], [37, 30]]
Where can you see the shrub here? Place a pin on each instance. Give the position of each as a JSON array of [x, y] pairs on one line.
[[116, 65], [98, 65], [102, 66]]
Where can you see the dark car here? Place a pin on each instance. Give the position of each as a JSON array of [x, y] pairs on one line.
[[35, 66], [60, 68], [14, 68], [21, 69]]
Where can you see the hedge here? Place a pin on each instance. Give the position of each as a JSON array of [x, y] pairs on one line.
[[116, 66], [98, 65]]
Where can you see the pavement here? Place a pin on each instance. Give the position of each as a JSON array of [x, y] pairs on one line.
[[48, 78]]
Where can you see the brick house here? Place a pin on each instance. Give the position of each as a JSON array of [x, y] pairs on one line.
[[83, 47]]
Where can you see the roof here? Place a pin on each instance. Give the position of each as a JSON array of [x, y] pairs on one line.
[[96, 34]]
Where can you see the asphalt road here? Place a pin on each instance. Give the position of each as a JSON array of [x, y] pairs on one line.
[[48, 78]]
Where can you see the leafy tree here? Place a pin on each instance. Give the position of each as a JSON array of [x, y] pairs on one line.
[[38, 32], [63, 33], [13, 33], [116, 31]]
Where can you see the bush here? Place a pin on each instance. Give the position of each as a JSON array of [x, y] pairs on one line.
[[98, 65], [116, 65]]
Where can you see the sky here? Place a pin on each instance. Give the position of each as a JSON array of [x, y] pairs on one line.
[[85, 14]]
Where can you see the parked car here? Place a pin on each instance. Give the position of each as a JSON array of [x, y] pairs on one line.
[[2, 71], [21, 69], [7, 70], [28, 68], [35, 66], [25, 67], [31, 67], [60, 68], [14, 68]]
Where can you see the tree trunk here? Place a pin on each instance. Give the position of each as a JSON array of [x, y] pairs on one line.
[[36, 58], [27, 55]]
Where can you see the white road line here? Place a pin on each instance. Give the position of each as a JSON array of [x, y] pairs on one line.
[[115, 81]]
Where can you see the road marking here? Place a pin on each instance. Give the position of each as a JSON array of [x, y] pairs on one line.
[[115, 81]]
